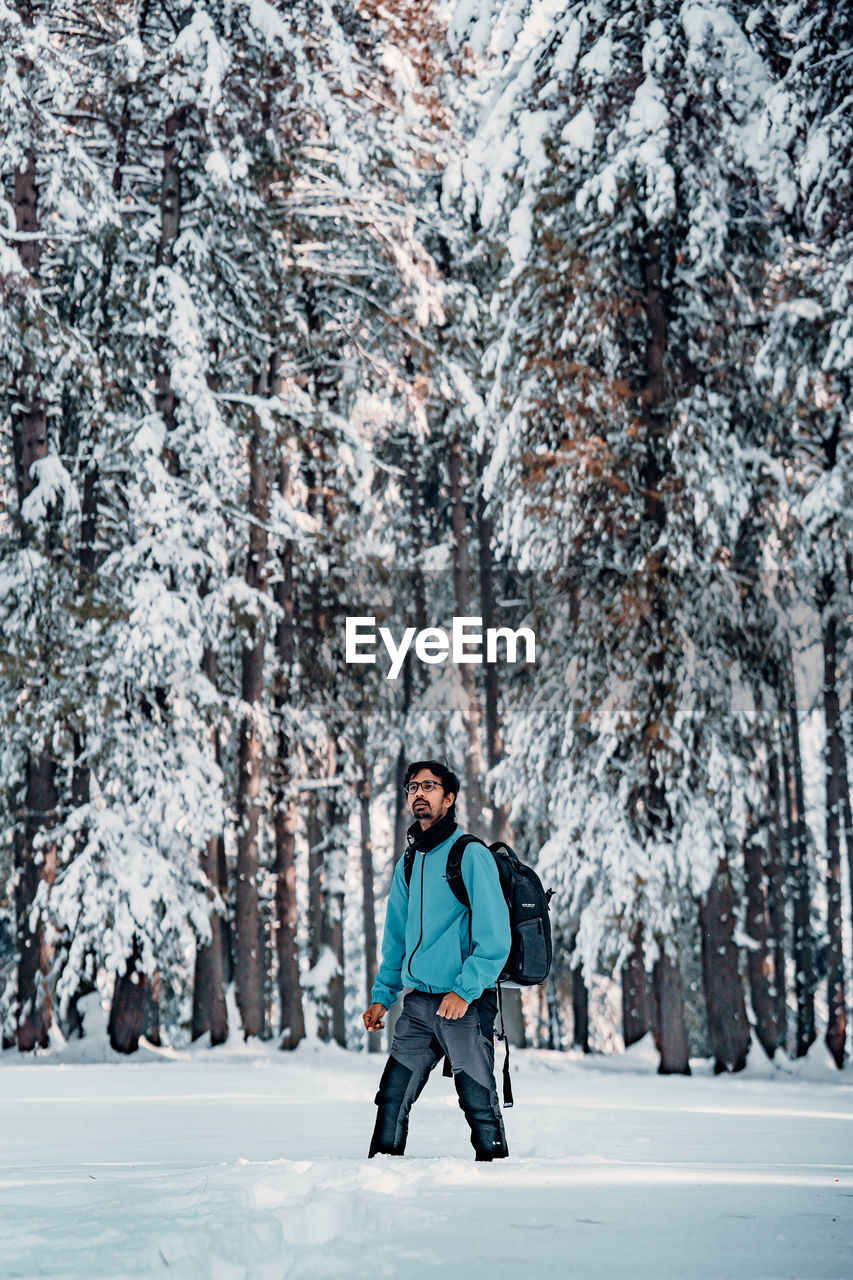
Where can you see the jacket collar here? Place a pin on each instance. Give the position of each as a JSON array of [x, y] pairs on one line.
[[434, 835]]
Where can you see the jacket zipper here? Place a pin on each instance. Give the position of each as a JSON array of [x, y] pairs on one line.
[[421, 938]]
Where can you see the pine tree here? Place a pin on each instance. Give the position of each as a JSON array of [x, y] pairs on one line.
[[805, 365], [632, 216]]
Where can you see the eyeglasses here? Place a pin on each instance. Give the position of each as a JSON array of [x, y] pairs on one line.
[[412, 787]]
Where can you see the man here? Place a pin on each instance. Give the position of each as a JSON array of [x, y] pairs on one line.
[[451, 958]]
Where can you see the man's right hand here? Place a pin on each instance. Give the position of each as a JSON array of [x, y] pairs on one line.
[[374, 1017]]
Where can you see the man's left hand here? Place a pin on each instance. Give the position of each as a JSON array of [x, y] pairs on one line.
[[452, 1006]]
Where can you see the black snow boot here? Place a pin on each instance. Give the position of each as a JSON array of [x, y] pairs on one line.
[[484, 1118], [385, 1141], [392, 1118]]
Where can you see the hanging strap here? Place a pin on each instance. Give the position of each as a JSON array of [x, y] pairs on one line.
[[501, 1035]]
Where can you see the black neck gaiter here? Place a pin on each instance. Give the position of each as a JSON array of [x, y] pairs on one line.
[[426, 840]]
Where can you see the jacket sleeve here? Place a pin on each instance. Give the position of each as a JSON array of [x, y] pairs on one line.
[[490, 932], [389, 982]]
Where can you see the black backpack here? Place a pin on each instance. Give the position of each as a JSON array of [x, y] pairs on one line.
[[529, 960]]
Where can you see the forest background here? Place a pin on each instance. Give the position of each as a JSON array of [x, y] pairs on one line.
[[527, 310]]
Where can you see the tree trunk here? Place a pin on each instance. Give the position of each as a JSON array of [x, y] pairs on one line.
[[170, 227], [227, 931], [248, 963], [418, 594], [500, 827], [635, 993], [70, 1015], [27, 213], [669, 1006], [292, 1029], [265, 931], [29, 411], [760, 959], [580, 1010], [652, 390], [325, 920], [541, 1027], [798, 877], [847, 814], [130, 1004], [727, 1021], [401, 814], [666, 975], [333, 1024], [776, 900], [289, 983], [29, 444], [210, 1013], [333, 1021], [73, 1022], [315, 873], [374, 1038], [553, 1019], [836, 1031], [34, 954], [29, 429], [462, 585], [152, 1013]]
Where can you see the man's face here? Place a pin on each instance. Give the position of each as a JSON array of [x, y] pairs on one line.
[[428, 806]]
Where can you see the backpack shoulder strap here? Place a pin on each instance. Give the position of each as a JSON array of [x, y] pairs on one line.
[[454, 867], [408, 862], [508, 851]]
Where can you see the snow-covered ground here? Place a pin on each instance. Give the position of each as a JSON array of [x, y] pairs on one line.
[[246, 1165]]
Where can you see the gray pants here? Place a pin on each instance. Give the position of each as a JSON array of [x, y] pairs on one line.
[[421, 1040]]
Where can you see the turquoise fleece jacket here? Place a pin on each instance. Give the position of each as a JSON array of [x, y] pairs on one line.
[[427, 944]]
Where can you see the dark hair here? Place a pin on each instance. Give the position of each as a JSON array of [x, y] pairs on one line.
[[444, 773]]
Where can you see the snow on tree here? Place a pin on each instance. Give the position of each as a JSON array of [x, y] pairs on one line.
[[411, 310], [635, 203]]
